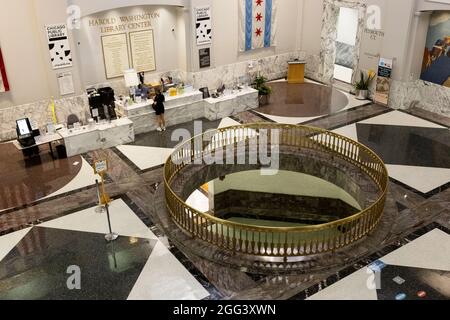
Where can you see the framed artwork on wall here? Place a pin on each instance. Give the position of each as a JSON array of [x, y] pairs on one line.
[[4, 85], [436, 59]]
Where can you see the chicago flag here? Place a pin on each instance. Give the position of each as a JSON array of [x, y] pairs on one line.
[[257, 24]]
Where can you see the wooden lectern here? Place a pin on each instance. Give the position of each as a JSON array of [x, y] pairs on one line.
[[296, 72]]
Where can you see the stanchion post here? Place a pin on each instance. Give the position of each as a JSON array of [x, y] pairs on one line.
[[100, 208], [111, 236], [100, 168]]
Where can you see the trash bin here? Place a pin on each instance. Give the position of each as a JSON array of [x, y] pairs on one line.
[[61, 151]]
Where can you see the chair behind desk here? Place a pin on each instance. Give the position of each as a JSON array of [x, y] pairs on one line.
[[72, 119]]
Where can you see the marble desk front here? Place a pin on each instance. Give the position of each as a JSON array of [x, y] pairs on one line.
[[98, 136]]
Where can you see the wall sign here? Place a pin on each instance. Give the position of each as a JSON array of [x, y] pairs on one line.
[[203, 25], [143, 50], [65, 82], [205, 57], [383, 81], [58, 45], [100, 167], [4, 85], [115, 55]]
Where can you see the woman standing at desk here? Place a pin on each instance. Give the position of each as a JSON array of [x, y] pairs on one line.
[[158, 105]]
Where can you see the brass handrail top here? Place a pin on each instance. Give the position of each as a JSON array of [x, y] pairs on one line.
[[267, 125]]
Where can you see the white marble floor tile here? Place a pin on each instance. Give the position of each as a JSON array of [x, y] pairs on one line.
[[198, 201], [86, 177], [145, 157], [287, 120], [423, 179], [165, 278], [228, 122], [353, 287], [9, 241], [431, 251], [421, 253], [397, 118], [123, 220], [349, 131]]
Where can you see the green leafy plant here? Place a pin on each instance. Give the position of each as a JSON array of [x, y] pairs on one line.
[[364, 83], [260, 84]]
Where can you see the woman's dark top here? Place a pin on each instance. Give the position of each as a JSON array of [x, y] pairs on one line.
[[159, 104]]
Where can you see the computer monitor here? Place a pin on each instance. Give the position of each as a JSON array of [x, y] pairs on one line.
[[24, 129]]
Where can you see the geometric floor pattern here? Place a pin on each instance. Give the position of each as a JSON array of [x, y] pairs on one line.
[[416, 152], [419, 270], [147, 157], [34, 262]]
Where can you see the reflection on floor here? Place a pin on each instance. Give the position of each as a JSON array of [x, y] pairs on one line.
[[26, 180], [136, 266], [417, 271], [416, 151], [300, 103], [85, 178]]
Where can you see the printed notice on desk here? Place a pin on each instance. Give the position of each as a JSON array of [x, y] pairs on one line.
[[65, 82]]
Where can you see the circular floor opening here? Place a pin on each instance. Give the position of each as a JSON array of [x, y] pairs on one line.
[[325, 193]]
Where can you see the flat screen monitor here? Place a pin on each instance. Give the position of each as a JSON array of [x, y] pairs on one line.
[[24, 128]]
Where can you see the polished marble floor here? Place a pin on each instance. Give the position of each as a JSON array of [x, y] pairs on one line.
[[25, 180], [138, 266], [417, 271], [302, 103], [35, 237], [415, 151]]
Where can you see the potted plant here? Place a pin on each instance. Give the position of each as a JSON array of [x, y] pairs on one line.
[[362, 86], [264, 90]]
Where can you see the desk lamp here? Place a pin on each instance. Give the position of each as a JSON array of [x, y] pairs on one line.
[[131, 81]]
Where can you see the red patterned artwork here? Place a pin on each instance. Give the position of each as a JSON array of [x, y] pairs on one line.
[[4, 85]]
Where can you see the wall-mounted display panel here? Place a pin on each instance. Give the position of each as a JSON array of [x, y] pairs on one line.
[[436, 60]]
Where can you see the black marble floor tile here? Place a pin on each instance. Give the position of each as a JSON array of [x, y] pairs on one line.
[[373, 258], [164, 139], [409, 146], [408, 283], [37, 268]]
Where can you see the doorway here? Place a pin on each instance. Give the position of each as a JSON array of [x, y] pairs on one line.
[[347, 30]]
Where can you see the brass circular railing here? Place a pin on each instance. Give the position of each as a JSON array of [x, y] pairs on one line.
[[273, 241]]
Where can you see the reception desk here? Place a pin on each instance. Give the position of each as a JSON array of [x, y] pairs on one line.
[[188, 107], [231, 103], [179, 109], [98, 136], [296, 72]]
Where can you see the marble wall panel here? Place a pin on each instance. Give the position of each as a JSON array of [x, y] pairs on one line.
[[272, 67], [425, 95], [40, 114]]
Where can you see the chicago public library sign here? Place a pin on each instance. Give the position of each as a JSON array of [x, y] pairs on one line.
[[124, 23]]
